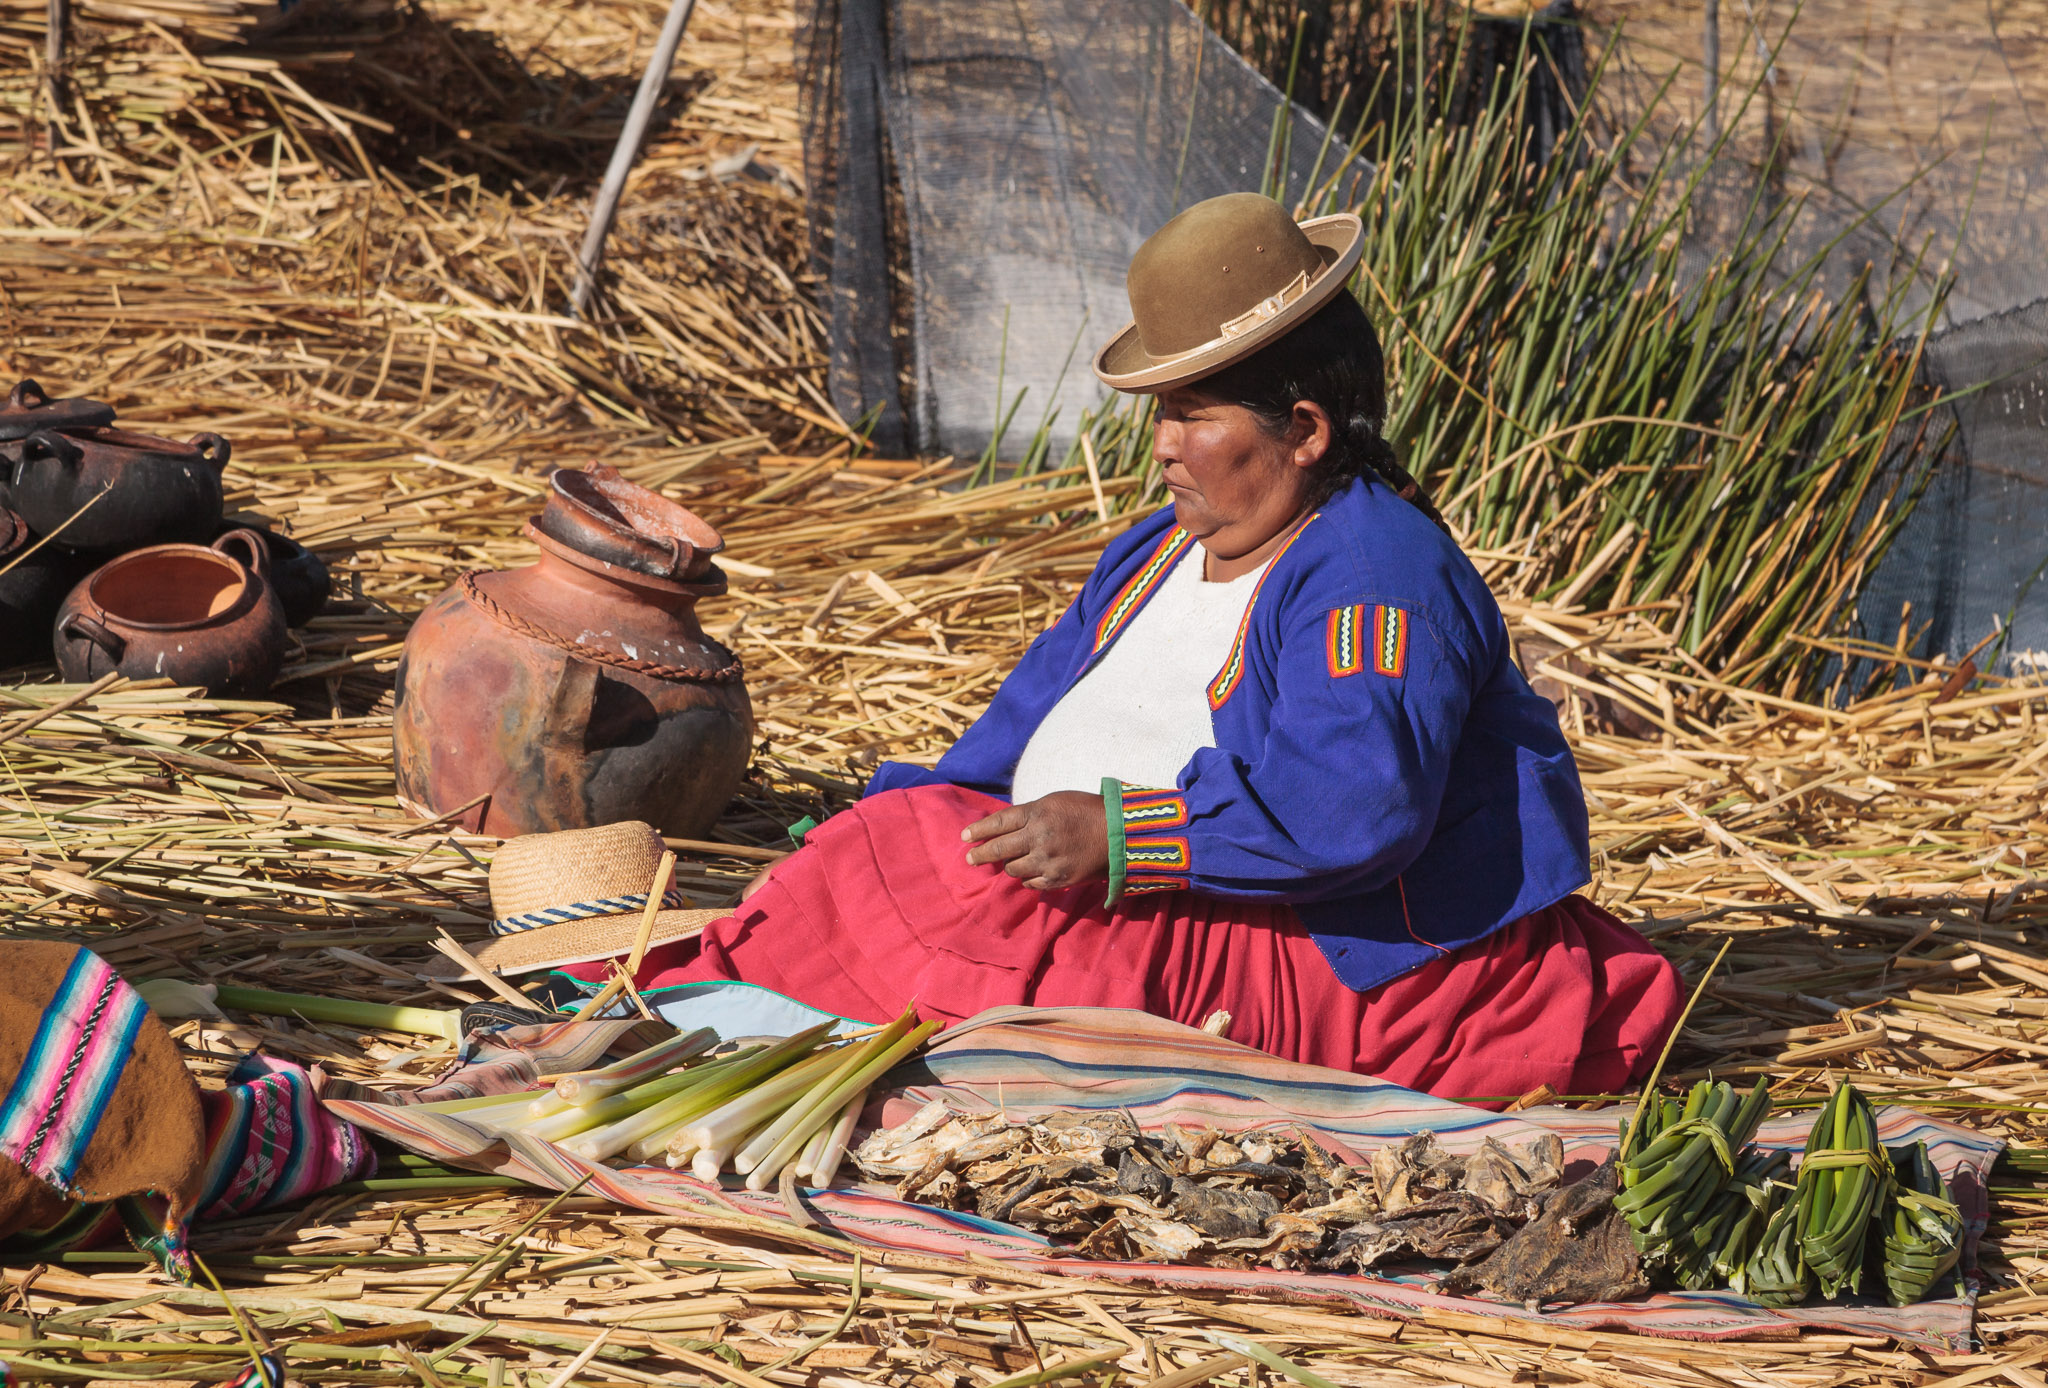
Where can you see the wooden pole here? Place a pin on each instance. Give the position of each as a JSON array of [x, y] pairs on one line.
[[628, 149], [53, 59], [1711, 45]]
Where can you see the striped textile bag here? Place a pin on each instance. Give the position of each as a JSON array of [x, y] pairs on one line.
[[106, 1133], [97, 1108], [1027, 1061]]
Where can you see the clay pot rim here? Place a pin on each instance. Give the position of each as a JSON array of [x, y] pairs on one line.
[[14, 533], [692, 529], [113, 438], [244, 599], [713, 585]]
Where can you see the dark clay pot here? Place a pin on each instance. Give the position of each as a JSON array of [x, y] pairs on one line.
[[27, 410], [300, 576], [157, 491], [580, 691], [30, 590], [189, 613]]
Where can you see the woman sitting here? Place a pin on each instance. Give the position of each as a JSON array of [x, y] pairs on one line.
[[1276, 760]]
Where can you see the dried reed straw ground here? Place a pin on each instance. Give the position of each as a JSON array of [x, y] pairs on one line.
[[385, 349]]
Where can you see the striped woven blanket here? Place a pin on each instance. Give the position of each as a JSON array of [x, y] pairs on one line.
[[1030, 1060]]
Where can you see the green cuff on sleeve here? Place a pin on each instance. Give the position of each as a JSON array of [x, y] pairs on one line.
[[1113, 816]]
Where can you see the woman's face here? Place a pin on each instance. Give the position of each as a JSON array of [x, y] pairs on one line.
[[1235, 486]]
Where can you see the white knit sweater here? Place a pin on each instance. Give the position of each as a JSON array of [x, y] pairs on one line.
[[1143, 711]]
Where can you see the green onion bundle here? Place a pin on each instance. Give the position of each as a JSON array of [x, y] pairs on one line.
[[1677, 1158], [1923, 1229], [1776, 1273], [1842, 1177], [1711, 1251], [588, 1088]]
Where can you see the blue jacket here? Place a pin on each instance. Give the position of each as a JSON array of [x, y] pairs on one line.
[[1380, 762]]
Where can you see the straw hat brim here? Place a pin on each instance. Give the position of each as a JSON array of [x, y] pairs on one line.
[[576, 942], [1125, 365]]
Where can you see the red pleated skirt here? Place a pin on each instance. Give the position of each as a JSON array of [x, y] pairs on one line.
[[879, 910]]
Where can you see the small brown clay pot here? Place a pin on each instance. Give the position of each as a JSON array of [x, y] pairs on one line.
[[300, 576], [28, 409], [125, 490], [32, 583], [189, 613]]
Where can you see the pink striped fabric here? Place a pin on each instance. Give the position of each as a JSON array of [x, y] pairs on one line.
[[269, 1142], [81, 1046], [1028, 1060]]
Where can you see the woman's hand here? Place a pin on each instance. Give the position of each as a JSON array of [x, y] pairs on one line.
[[1048, 843]]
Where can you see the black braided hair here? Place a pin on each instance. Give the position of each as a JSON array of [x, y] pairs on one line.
[[1332, 360]]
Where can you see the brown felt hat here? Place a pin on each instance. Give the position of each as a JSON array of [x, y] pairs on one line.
[[1220, 281], [97, 1103], [576, 895]]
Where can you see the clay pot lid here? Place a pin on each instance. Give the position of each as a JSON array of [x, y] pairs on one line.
[[598, 513], [127, 446], [28, 408]]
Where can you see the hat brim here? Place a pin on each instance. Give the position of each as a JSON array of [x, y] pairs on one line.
[[575, 942], [1124, 364]]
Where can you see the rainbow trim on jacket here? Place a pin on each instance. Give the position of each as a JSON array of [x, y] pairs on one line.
[[1143, 584], [1227, 679]]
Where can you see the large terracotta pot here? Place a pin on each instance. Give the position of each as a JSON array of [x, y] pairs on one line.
[[126, 490], [32, 584], [193, 614], [580, 691]]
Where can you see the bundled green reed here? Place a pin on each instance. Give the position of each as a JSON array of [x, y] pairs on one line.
[[1676, 1161], [1634, 411], [1776, 1273], [1841, 1181], [1921, 1227], [1711, 1251]]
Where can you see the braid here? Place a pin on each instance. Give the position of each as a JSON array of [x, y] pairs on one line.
[[1379, 456]]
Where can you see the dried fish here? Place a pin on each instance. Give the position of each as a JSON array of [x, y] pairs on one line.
[[1221, 1212], [1577, 1249], [1272, 1198]]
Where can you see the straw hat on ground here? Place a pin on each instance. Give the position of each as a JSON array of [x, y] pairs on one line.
[[1220, 281], [576, 895]]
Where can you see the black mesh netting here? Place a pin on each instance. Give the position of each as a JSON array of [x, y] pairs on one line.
[[1968, 557], [980, 175]]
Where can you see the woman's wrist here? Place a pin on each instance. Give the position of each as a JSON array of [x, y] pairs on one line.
[[1113, 826]]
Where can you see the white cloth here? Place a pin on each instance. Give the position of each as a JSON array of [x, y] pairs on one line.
[[1142, 712]]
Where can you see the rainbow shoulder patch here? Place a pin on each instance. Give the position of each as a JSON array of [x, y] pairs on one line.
[[1390, 641], [1346, 641]]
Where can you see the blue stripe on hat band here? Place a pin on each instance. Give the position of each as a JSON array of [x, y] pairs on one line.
[[582, 910]]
